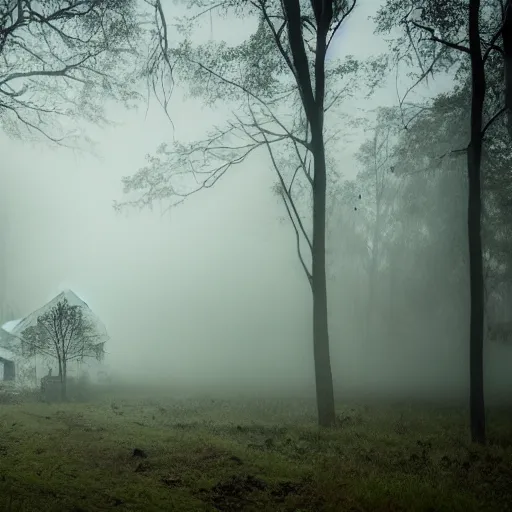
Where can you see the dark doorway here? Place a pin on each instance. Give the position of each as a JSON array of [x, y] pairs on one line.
[[9, 369]]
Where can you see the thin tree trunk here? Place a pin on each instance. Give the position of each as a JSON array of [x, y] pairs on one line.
[[371, 324], [313, 103], [476, 274], [323, 372], [372, 276], [64, 380]]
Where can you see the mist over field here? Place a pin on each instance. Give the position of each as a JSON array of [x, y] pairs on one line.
[[211, 293], [286, 216]]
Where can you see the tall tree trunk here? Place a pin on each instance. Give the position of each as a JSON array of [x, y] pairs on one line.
[[323, 372], [313, 103], [476, 274], [324, 385]]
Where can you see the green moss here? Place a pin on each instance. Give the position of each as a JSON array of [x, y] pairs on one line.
[[239, 455]]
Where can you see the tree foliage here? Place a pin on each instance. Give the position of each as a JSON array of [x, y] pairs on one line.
[[281, 88], [61, 59], [257, 79], [434, 38]]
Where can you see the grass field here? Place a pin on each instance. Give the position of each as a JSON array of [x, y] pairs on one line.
[[127, 452]]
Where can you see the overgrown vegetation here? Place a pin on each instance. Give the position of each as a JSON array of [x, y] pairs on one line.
[[128, 452]]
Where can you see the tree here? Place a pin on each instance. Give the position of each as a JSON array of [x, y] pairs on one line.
[[61, 59], [460, 35], [398, 201], [376, 187], [423, 241], [63, 333], [281, 90]]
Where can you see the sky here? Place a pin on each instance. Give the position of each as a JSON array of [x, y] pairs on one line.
[[183, 294]]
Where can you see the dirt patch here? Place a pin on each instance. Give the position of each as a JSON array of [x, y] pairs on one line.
[[284, 489], [235, 493], [247, 491], [137, 452]]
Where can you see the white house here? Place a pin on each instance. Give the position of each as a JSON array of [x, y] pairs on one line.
[[29, 371]]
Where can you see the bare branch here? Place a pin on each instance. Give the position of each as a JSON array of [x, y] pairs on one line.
[[493, 119], [304, 143], [340, 21], [492, 43], [63, 332], [163, 46], [424, 74], [63, 56], [297, 236], [277, 36], [54, 73], [303, 164], [288, 194], [433, 37], [454, 152]]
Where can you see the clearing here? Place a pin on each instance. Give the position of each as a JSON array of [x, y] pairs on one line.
[[125, 451]]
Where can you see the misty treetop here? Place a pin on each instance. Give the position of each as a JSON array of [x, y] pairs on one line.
[[468, 39], [286, 96], [62, 60], [257, 80], [282, 91], [434, 37]]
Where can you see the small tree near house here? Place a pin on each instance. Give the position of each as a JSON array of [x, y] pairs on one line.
[[63, 333]]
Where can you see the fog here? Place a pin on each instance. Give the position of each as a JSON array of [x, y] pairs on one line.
[[209, 294]]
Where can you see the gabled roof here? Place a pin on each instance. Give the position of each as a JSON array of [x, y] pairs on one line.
[[7, 345], [6, 339], [10, 325], [18, 326]]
